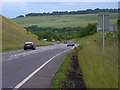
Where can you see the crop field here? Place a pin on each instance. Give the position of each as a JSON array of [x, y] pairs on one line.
[[59, 21]]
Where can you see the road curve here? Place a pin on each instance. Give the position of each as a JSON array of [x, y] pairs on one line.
[[32, 68]]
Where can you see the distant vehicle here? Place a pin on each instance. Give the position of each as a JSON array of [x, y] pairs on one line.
[[45, 39], [71, 43], [65, 42], [29, 45], [58, 42]]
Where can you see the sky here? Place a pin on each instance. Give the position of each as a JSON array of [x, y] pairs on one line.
[[60, 0], [12, 8]]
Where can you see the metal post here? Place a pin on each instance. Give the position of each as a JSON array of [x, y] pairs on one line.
[[103, 33]]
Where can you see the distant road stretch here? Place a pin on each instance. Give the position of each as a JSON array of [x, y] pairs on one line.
[[32, 68]]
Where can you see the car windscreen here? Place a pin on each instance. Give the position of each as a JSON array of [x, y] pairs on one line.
[[28, 43]]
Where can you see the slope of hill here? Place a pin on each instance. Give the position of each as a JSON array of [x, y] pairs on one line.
[[14, 36], [60, 21]]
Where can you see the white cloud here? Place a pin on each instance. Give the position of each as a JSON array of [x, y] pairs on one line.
[[60, 1]]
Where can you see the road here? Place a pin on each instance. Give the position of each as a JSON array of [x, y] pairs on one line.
[[32, 68]]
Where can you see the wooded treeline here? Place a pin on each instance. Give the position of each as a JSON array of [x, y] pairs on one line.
[[87, 11]]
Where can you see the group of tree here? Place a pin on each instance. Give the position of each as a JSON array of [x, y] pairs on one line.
[[87, 11], [65, 33]]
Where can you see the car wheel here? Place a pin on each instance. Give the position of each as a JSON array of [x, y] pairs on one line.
[[33, 48], [25, 49]]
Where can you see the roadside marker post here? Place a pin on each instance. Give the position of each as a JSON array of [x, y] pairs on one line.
[[103, 33]]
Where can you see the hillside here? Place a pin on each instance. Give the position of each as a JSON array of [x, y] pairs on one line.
[[59, 21], [14, 36]]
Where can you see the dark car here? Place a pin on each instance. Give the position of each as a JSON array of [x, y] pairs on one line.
[[29, 45], [71, 43]]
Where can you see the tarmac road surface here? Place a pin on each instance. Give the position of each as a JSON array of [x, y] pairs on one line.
[[32, 68]]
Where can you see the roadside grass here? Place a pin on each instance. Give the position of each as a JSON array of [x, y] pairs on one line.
[[69, 74], [100, 70], [59, 21], [61, 73]]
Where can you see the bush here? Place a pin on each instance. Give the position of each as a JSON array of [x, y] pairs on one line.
[[65, 33]]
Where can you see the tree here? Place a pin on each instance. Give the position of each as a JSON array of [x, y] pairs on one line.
[[88, 11], [20, 16]]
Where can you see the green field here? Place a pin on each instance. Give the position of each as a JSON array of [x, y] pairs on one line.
[[14, 36], [99, 69], [59, 21]]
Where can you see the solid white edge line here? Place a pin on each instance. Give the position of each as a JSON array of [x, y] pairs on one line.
[[38, 69]]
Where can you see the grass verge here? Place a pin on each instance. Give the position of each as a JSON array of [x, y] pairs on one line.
[[100, 69], [61, 74], [69, 75]]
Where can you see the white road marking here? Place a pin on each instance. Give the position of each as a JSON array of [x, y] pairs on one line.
[[11, 51], [38, 69]]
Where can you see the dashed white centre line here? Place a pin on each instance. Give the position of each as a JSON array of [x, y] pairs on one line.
[[15, 56]]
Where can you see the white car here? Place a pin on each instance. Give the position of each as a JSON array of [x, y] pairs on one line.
[[71, 43]]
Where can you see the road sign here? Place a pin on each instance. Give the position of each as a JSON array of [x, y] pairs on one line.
[[112, 28], [105, 21], [103, 24]]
